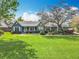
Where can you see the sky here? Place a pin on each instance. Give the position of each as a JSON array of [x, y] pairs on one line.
[[28, 8]]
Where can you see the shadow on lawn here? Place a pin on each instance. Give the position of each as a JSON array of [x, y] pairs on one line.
[[16, 50], [70, 37]]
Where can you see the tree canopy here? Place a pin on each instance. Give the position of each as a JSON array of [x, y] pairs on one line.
[[7, 9], [57, 15], [75, 23]]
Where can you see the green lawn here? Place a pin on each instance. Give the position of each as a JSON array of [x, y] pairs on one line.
[[53, 47]]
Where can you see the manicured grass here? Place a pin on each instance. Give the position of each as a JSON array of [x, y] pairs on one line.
[[49, 47]]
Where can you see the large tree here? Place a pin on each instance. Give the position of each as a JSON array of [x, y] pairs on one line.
[[7, 9], [57, 15], [20, 19]]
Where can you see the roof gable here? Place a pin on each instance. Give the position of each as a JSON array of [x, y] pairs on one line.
[[16, 23]]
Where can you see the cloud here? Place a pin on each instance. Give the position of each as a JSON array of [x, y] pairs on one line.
[[30, 16], [73, 8]]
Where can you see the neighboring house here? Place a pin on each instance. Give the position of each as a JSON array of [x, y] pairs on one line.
[[53, 26], [4, 26], [50, 26], [34, 27]]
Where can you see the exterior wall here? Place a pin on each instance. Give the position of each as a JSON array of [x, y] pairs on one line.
[[16, 28]]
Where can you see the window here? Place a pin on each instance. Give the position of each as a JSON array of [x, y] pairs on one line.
[[31, 28], [17, 29], [35, 28], [27, 28]]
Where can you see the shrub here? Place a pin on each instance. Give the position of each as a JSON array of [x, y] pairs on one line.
[[42, 32], [69, 31]]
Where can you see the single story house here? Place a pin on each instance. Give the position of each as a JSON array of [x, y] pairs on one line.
[[25, 27], [34, 27]]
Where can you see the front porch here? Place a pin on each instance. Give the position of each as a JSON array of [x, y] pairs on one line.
[[30, 30]]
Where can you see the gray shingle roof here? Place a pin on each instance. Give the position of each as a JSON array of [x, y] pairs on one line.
[[29, 23], [36, 23]]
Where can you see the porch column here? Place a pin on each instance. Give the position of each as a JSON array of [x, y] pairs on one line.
[[13, 28], [29, 28], [25, 29], [34, 28], [50, 28]]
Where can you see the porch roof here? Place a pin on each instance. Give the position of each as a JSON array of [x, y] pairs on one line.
[[29, 23]]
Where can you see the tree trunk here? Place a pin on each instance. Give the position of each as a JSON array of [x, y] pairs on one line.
[[60, 29]]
